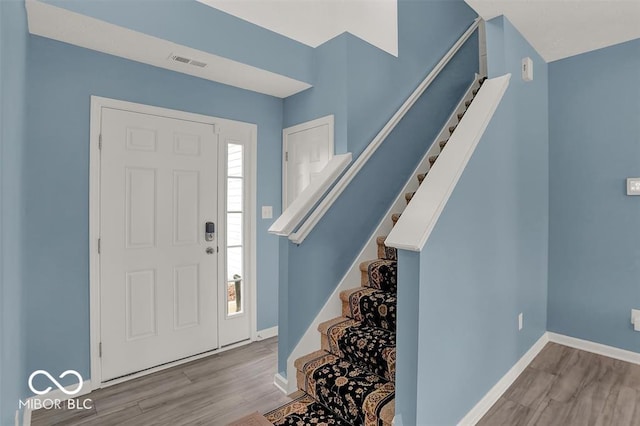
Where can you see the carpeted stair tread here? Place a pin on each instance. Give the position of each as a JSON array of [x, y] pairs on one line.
[[452, 128], [467, 103], [372, 307], [395, 217], [408, 196], [421, 177], [304, 411], [385, 252], [370, 347], [353, 393], [443, 144], [380, 273], [460, 115], [433, 159]]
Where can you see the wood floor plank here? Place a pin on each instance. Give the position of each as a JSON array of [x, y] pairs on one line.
[[552, 359], [215, 390], [621, 408], [114, 418], [568, 387], [631, 378], [530, 388], [505, 413], [60, 416], [572, 377], [550, 413]]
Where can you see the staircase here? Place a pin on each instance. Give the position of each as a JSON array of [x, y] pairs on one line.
[[350, 381]]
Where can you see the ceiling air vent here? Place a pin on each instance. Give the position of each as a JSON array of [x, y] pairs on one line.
[[189, 61]]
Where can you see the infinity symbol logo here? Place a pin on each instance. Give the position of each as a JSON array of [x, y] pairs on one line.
[[55, 382]]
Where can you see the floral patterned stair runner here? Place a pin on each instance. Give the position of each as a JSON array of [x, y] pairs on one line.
[[350, 381]]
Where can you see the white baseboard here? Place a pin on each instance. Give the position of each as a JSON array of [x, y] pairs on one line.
[[596, 348], [267, 333], [55, 395], [281, 383], [487, 401], [483, 406]]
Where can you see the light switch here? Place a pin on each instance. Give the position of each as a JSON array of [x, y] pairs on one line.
[[527, 69], [633, 186], [267, 212]]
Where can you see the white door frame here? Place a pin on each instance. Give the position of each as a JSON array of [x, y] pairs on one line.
[[327, 120], [97, 103]]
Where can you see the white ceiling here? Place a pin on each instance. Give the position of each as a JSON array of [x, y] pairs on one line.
[[63, 25], [558, 29], [313, 22]]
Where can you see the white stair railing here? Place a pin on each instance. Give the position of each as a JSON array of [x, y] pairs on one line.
[[325, 204], [421, 215], [300, 207]]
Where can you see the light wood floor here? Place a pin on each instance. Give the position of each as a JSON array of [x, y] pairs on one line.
[[211, 391], [562, 386], [565, 386]]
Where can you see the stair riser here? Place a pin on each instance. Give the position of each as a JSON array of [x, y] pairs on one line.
[[365, 310], [371, 420], [336, 344], [320, 377], [367, 281], [388, 253], [381, 274]]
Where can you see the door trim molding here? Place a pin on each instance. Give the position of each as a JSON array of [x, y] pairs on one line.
[[97, 103]]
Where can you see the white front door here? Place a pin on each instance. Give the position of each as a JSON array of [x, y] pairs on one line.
[[159, 280]]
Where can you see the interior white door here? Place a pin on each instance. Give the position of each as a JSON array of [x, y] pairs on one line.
[[158, 274], [308, 148]]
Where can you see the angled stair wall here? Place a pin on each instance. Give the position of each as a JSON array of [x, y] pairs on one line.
[[314, 269], [372, 249], [484, 261], [351, 379]]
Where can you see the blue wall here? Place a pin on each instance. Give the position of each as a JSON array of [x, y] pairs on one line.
[[594, 240], [193, 24], [378, 84], [13, 52], [61, 80], [486, 260]]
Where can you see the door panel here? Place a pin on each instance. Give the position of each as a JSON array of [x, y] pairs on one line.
[[187, 294], [159, 287], [309, 148]]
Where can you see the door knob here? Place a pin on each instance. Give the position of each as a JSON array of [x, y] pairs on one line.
[[209, 250]]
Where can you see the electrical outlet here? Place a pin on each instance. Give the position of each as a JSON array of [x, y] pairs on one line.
[[520, 321]]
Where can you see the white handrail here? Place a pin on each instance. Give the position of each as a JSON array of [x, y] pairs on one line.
[[300, 207], [421, 215], [313, 219]]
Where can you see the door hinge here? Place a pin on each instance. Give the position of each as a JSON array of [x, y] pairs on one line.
[[217, 249], [100, 141], [99, 244], [100, 349], [286, 156]]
